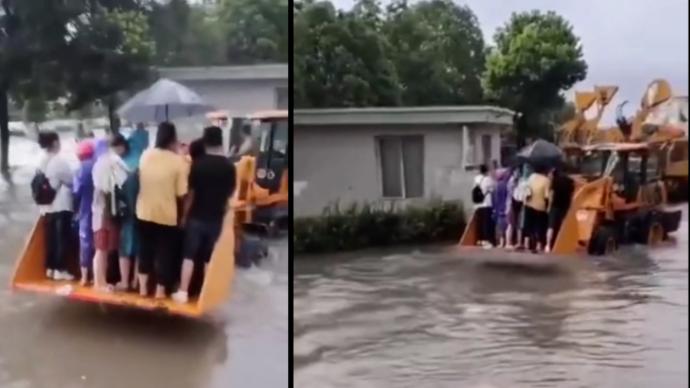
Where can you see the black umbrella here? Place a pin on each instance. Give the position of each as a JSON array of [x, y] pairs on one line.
[[541, 153]]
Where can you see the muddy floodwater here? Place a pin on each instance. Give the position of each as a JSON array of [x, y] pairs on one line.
[[48, 342], [423, 318]]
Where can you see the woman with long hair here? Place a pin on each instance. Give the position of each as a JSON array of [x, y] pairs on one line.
[[162, 187]]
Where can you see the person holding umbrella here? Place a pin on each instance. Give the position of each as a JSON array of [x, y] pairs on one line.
[[542, 156]]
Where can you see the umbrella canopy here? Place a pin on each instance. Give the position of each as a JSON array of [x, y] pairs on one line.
[[541, 153], [164, 100]]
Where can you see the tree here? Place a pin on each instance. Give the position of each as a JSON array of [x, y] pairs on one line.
[[438, 51], [169, 24], [110, 52], [35, 110], [537, 56], [32, 40], [341, 60], [255, 30]]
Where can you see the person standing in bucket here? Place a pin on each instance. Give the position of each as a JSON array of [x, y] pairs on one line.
[[162, 187], [83, 198], [481, 197], [536, 217], [211, 186], [137, 142], [514, 207], [560, 197], [500, 201], [52, 190], [109, 175]]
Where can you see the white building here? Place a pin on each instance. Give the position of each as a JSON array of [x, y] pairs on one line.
[[391, 155], [240, 90]]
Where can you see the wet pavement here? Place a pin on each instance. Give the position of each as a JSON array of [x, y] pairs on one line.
[[48, 342], [423, 318]]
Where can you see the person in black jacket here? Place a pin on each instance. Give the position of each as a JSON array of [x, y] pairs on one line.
[[211, 185], [562, 188]]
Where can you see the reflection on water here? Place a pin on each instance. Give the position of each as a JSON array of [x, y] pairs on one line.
[[382, 319], [50, 342]]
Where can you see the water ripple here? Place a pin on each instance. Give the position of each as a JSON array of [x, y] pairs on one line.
[[419, 319]]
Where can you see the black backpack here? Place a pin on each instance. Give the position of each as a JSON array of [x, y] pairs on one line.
[[41, 190], [118, 207], [477, 194]]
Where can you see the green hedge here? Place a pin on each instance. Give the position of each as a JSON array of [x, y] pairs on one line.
[[367, 227]]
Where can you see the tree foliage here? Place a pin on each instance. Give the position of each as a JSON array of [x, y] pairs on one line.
[[185, 35], [341, 59], [429, 53], [32, 44], [35, 110], [110, 52], [537, 56], [255, 30], [438, 51]]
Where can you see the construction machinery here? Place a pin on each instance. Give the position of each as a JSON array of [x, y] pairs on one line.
[[262, 177], [667, 140], [261, 197], [580, 130], [206, 291], [621, 199]]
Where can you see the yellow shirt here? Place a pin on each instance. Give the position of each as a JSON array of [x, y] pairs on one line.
[[539, 186], [162, 179]]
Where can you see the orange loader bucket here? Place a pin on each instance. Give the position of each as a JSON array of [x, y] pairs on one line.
[[587, 199], [469, 236], [29, 275]]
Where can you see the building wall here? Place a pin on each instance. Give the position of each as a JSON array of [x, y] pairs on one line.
[[340, 164], [241, 97]]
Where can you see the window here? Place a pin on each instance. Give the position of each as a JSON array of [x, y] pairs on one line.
[[282, 99], [402, 166]]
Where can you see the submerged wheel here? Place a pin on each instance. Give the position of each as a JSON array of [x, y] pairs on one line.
[[655, 235], [651, 230], [603, 241]]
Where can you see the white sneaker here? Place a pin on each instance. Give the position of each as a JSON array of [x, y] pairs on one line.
[[49, 273], [180, 297], [62, 275]]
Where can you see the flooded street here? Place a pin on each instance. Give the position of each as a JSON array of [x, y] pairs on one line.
[[50, 342], [415, 318]]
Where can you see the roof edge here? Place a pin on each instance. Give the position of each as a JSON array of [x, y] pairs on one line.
[[405, 115]]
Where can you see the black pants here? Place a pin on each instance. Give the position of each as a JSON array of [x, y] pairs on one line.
[[58, 238], [200, 239], [485, 225], [536, 223], [556, 216], [157, 246]]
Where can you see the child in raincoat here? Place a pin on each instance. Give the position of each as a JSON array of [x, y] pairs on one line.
[[138, 142], [83, 196], [109, 172], [500, 202]]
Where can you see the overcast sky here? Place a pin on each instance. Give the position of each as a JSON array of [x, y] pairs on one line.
[[626, 43]]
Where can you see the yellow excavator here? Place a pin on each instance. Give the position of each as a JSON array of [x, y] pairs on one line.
[[580, 130], [668, 141]]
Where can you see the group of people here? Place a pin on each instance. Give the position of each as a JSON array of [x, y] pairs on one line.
[[136, 201], [521, 207]]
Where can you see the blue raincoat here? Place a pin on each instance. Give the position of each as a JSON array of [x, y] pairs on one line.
[[138, 142], [83, 195]]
